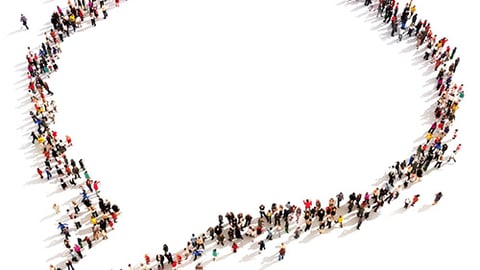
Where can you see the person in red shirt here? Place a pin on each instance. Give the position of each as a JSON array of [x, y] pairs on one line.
[[40, 173], [234, 247], [307, 203], [95, 186]]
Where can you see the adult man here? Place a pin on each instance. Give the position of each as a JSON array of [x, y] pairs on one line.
[[23, 19]]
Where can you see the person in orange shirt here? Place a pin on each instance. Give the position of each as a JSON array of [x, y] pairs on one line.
[[69, 140], [415, 199]]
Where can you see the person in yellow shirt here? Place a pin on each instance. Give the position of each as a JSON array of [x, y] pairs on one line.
[[428, 136], [93, 220], [413, 9], [340, 221]]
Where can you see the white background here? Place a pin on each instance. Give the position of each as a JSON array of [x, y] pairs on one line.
[[187, 109]]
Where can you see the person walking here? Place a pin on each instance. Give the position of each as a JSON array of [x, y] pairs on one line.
[[82, 165], [360, 221], [23, 19], [89, 242], [48, 173], [440, 159], [40, 173], [69, 265], [438, 196], [415, 199]]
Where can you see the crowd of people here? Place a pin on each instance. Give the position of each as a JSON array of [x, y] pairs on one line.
[[99, 214], [276, 220], [89, 217]]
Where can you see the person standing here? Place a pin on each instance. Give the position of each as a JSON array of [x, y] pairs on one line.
[[95, 186], [104, 11], [281, 252], [339, 199], [270, 233], [234, 247], [23, 19], [340, 221], [78, 250], [48, 173], [296, 233], [56, 207], [93, 19], [160, 260], [406, 203], [261, 245]]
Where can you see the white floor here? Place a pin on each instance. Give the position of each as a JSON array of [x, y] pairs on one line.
[[185, 110]]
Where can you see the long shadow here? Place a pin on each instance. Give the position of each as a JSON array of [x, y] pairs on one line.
[[17, 31], [351, 219], [269, 261]]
